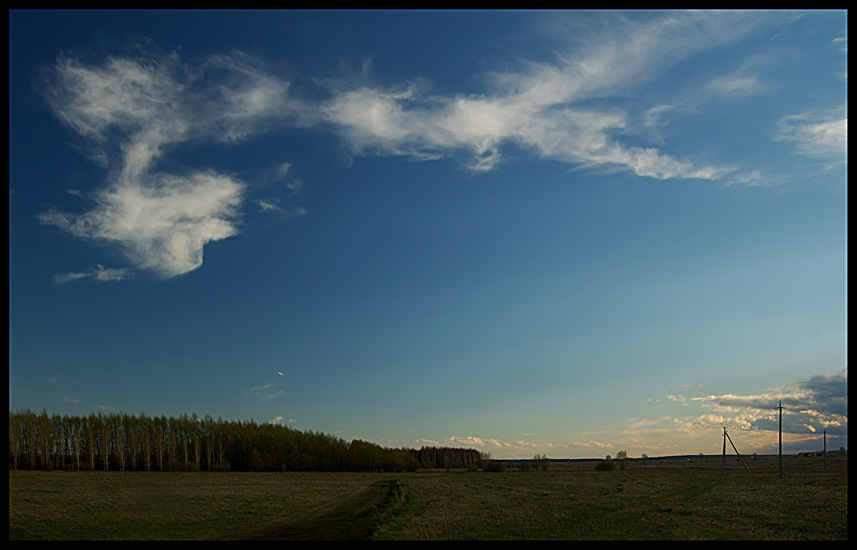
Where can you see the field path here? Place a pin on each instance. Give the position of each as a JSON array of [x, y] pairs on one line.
[[354, 518]]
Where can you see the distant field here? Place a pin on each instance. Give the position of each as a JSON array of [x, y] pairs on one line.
[[662, 500]]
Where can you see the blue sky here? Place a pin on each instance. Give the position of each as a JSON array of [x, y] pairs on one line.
[[562, 233]]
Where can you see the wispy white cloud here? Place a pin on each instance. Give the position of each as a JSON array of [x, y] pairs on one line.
[[841, 42], [268, 205], [677, 398], [596, 445], [550, 108], [130, 111], [100, 274], [745, 80], [279, 172], [266, 391], [735, 84], [822, 135]]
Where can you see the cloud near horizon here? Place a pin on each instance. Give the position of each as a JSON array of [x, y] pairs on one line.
[[811, 406]]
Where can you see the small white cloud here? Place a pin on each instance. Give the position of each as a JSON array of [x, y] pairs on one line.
[[736, 85], [100, 274], [268, 205], [821, 135], [266, 391], [295, 186], [281, 171], [63, 278], [655, 115], [841, 43]]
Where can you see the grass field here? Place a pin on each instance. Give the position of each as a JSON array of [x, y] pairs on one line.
[[662, 500]]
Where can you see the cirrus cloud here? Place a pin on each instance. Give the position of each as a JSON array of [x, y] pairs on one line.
[[131, 112]]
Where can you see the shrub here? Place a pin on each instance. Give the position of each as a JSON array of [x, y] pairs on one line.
[[606, 465], [493, 466]]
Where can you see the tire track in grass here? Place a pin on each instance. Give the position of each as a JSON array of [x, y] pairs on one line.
[[354, 518]]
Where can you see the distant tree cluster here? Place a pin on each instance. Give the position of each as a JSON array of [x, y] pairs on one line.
[[606, 465], [187, 443], [493, 466], [447, 457]]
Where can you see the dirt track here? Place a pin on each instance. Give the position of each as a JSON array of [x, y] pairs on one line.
[[355, 518]]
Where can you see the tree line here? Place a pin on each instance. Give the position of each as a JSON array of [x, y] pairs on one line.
[[447, 457], [120, 442]]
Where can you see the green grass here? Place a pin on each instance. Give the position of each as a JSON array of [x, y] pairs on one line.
[[658, 501], [164, 506], [652, 502]]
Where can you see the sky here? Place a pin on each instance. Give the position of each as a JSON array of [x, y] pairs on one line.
[[563, 233]]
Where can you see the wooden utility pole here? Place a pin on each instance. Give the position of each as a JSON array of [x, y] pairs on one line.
[[723, 462], [781, 439], [825, 449]]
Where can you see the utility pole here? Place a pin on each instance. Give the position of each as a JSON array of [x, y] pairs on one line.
[[825, 449], [781, 438], [723, 463]]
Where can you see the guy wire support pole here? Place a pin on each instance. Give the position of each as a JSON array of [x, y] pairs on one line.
[[736, 452], [723, 463]]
